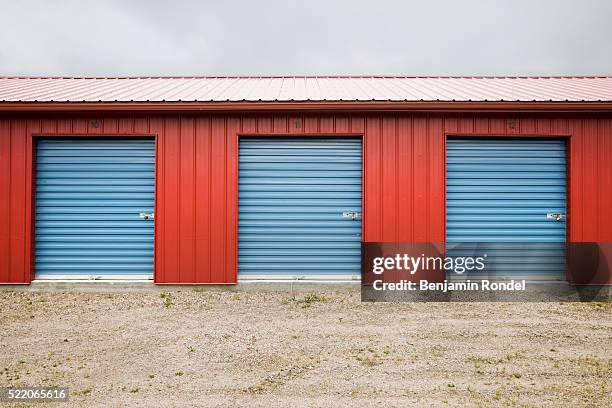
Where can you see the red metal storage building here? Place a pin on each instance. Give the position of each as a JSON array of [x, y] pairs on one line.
[[196, 125]]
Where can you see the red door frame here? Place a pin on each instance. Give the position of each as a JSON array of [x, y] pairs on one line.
[[31, 188]]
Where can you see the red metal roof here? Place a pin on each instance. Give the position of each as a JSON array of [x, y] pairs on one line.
[[306, 88]]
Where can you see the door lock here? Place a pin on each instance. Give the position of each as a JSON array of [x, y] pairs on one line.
[[353, 215], [555, 216], [146, 216]]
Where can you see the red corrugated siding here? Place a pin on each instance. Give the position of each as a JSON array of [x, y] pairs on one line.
[[196, 188]]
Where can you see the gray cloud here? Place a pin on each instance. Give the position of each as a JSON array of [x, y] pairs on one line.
[[140, 37]]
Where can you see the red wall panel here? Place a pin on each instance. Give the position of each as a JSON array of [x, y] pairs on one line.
[[18, 222], [203, 170], [196, 185], [5, 207]]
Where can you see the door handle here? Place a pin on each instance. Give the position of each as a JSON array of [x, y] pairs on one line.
[[146, 216]]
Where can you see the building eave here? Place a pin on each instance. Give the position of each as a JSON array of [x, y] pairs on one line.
[[357, 106]]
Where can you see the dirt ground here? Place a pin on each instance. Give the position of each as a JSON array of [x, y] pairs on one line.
[[198, 347]]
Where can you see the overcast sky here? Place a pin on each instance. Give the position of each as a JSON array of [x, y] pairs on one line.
[[148, 37]]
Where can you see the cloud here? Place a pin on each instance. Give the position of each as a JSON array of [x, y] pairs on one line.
[[138, 37]]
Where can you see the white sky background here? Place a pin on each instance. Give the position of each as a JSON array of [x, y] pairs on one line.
[[184, 37]]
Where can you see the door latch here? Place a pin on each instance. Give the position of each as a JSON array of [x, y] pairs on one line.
[[555, 216], [353, 215], [146, 216]]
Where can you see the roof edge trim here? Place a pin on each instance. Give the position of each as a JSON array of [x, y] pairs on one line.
[[304, 106]]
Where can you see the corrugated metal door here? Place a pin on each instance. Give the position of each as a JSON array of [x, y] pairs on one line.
[[90, 194], [299, 207], [499, 192]]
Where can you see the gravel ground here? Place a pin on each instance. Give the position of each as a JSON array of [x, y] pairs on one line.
[[220, 348]]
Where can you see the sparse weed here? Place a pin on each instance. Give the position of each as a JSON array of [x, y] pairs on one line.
[[310, 298], [368, 357], [498, 395], [167, 298], [84, 392]]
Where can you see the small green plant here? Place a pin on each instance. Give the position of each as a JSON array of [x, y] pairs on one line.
[[310, 298], [369, 361], [589, 360], [513, 356], [134, 390], [368, 357], [286, 301], [498, 395], [84, 392], [236, 296], [167, 298], [179, 373], [151, 376]]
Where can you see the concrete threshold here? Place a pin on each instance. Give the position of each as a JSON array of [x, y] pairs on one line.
[[600, 292], [112, 286]]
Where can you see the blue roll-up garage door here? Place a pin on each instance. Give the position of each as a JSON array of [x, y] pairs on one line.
[[299, 207], [504, 193], [93, 200]]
